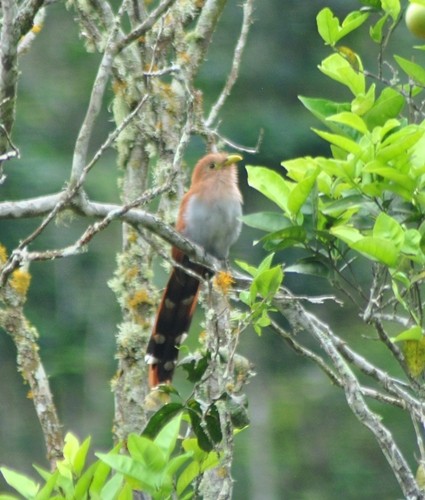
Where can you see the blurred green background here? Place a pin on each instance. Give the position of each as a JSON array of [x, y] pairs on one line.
[[303, 442]]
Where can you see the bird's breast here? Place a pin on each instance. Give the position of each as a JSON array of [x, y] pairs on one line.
[[213, 224]]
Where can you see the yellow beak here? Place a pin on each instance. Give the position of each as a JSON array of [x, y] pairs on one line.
[[231, 159]]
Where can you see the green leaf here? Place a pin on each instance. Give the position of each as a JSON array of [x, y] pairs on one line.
[[301, 192], [251, 270], [206, 460], [339, 69], [300, 168], [148, 478], [268, 282], [328, 26], [388, 228], [101, 473], [399, 142], [46, 491], [270, 184], [347, 234], [284, 238], [376, 31], [21, 483], [376, 167], [146, 451], [412, 244], [388, 105], [175, 463], [71, 448], [167, 436], [392, 7], [340, 141], [413, 70], [161, 418], [80, 456], [187, 477], [311, 266], [195, 365], [351, 120], [266, 221], [45, 474], [195, 415], [212, 420], [265, 264], [352, 22], [112, 488], [378, 249], [83, 484], [323, 108], [362, 103], [338, 207], [413, 333]]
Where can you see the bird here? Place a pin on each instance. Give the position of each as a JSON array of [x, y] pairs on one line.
[[210, 216]]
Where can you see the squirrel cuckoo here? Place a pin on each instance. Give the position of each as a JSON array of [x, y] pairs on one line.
[[209, 215]]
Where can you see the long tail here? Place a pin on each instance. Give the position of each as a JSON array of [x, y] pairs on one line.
[[171, 326]]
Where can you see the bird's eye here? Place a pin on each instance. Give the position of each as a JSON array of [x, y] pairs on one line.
[[211, 165]]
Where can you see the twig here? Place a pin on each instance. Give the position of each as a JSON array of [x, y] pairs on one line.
[[63, 200], [145, 26], [323, 335], [318, 360], [174, 68], [96, 98], [239, 147], [304, 351], [29, 14], [248, 8]]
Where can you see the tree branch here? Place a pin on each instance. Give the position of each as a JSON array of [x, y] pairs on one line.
[[248, 8], [300, 318]]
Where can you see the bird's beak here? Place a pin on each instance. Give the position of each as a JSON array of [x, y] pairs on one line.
[[232, 159]]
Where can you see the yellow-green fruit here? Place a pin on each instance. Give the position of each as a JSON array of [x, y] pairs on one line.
[[415, 19]]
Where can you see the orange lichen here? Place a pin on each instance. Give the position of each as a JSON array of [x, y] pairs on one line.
[[184, 58], [150, 67], [20, 281], [37, 28], [222, 472], [132, 237], [139, 297], [30, 395], [132, 273], [224, 281], [119, 86], [3, 254]]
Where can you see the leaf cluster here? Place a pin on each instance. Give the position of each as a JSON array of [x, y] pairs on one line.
[[161, 466], [365, 202]]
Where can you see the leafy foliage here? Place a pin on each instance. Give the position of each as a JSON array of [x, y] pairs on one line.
[[161, 467], [366, 201]]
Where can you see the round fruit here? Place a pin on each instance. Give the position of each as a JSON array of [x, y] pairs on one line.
[[415, 19]]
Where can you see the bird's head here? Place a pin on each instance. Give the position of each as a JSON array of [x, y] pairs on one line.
[[215, 164]]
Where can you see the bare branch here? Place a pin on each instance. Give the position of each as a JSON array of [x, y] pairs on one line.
[[300, 318], [8, 68], [96, 98], [27, 15], [24, 335], [145, 26], [248, 8]]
